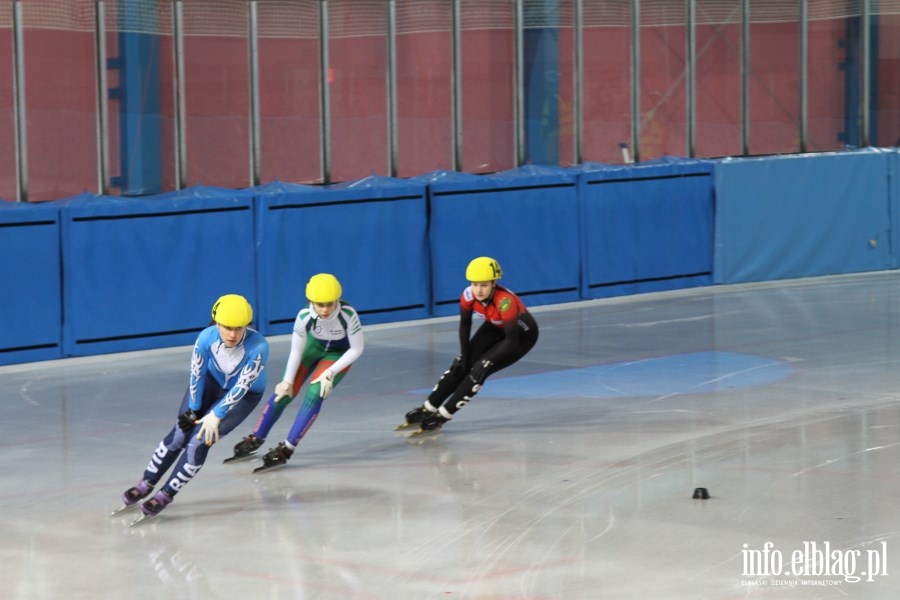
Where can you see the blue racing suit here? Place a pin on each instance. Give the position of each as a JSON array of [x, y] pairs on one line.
[[226, 381]]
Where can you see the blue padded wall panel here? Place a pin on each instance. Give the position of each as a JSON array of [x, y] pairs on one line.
[[526, 218], [647, 227], [893, 174], [31, 302], [802, 216], [371, 234], [144, 273]]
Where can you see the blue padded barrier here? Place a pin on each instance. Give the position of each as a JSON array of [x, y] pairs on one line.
[[802, 216], [371, 234], [526, 218], [31, 302], [646, 227], [144, 273], [893, 173], [100, 274]]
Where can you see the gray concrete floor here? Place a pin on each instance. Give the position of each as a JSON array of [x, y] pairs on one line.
[[569, 477]]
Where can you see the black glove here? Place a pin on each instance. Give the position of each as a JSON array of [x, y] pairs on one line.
[[480, 371], [186, 421], [458, 367]]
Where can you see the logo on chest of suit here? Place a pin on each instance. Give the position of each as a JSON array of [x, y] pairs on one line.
[[504, 305], [323, 331]]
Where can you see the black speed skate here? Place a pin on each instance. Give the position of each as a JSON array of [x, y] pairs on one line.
[[274, 458], [245, 448], [431, 424], [413, 418]]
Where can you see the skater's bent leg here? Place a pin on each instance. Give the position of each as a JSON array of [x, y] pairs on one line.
[[312, 404], [449, 381], [270, 415], [309, 411], [167, 451], [188, 466], [325, 363], [526, 343], [165, 455], [275, 405], [446, 385], [196, 451], [463, 394], [471, 383]]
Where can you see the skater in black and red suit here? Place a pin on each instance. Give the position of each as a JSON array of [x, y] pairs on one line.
[[509, 331]]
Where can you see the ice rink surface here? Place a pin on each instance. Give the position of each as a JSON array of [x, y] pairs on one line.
[[570, 476]]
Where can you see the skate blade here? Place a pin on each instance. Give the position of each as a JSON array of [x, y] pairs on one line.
[[418, 432], [143, 520], [241, 458], [265, 468], [124, 509], [421, 435], [405, 426]]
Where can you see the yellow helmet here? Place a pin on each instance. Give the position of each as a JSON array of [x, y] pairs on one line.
[[232, 310], [323, 288], [483, 268]]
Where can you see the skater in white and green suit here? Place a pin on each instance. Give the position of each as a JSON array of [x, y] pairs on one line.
[[326, 340]]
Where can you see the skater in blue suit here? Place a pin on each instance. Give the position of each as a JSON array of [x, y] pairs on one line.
[[227, 381]]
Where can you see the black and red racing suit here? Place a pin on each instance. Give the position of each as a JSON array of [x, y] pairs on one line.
[[508, 333]]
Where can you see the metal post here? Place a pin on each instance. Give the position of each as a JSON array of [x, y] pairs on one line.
[[324, 92], [102, 92], [392, 87], [866, 83], [180, 137], [804, 75], [253, 60], [578, 76], [519, 85], [745, 77], [636, 80], [456, 86], [691, 78], [19, 102]]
